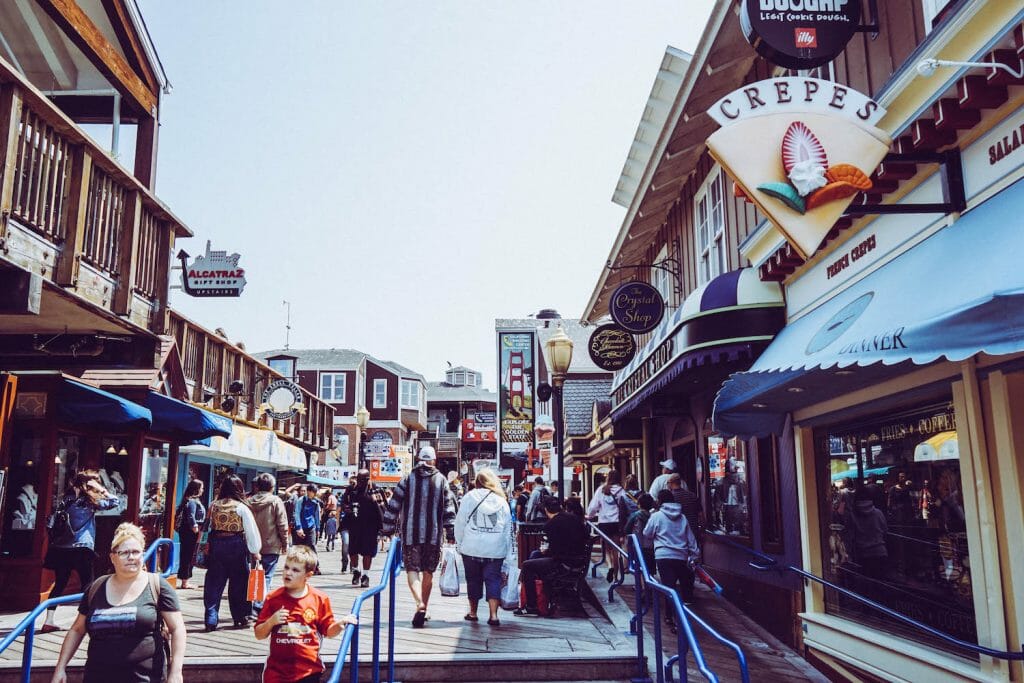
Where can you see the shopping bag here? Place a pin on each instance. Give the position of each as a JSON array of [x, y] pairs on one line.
[[542, 598], [449, 572], [510, 589], [257, 588]]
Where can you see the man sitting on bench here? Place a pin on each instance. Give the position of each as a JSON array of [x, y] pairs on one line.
[[567, 539]]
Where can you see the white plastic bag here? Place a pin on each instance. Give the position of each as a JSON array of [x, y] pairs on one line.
[[510, 589], [449, 572]]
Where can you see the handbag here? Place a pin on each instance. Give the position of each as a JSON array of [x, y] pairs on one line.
[[256, 591], [510, 589]]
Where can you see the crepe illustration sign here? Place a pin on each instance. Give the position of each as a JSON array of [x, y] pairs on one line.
[[800, 149]]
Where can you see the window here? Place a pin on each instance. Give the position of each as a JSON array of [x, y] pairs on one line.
[[460, 379], [332, 386], [768, 487], [380, 393], [410, 394], [730, 492], [661, 279], [471, 379], [894, 522], [710, 226], [284, 366]]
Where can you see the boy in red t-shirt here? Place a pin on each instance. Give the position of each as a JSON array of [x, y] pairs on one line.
[[295, 617]]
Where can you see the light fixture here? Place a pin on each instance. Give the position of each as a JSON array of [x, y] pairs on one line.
[[236, 387], [111, 450], [123, 451], [927, 67], [116, 451], [758, 405], [362, 417], [559, 348], [228, 404], [844, 373], [795, 390]]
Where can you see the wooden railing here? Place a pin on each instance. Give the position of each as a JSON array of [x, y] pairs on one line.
[[211, 363], [58, 184]]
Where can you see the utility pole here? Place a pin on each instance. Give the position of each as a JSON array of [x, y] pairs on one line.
[[287, 323]]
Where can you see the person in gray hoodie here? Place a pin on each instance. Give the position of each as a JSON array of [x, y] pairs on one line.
[[869, 532], [272, 521], [675, 547]]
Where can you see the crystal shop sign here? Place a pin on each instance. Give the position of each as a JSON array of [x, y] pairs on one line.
[[637, 307]]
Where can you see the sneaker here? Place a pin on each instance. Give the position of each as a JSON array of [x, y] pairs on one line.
[[344, 567], [355, 577], [365, 581], [527, 612]]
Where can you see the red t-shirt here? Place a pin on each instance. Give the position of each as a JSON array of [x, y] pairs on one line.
[[295, 646]]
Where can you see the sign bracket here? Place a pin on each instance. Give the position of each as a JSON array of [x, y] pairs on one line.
[[668, 265], [871, 28], [954, 199]]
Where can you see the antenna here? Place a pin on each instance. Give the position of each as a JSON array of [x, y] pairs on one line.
[[287, 323]]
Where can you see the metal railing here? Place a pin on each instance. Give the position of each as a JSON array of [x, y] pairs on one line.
[[27, 625], [621, 570], [767, 562], [350, 636]]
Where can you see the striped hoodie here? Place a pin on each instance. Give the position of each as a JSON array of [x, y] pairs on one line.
[[420, 506]]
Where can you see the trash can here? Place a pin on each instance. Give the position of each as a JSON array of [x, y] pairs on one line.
[[529, 538]]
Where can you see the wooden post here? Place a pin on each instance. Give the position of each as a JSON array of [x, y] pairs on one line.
[[10, 116], [70, 259], [161, 320], [146, 143], [128, 253]]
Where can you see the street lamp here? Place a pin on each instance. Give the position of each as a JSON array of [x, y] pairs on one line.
[[362, 419], [559, 348]]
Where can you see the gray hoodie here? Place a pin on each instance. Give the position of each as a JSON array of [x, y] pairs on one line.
[[671, 535]]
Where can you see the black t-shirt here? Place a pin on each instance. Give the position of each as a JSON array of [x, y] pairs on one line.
[[566, 537], [122, 639]]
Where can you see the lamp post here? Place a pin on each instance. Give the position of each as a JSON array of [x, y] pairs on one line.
[[559, 351], [362, 419]]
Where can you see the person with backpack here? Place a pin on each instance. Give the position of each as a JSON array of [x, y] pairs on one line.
[[608, 509], [188, 522], [71, 528], [675, 548], [636, 523], [534, 506], [133, 620]]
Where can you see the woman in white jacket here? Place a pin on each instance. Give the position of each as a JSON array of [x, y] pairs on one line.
[[483, 532], [604, 509]]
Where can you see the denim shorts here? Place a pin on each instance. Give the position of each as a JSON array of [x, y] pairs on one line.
[[481, 573]]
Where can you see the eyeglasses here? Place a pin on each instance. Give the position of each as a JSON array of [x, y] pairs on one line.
[[125, 554]]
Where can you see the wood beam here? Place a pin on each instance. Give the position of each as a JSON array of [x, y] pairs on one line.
[[80, 30], [128, 253], [129, 39], [66, 271], [147, 136], [10, 115]]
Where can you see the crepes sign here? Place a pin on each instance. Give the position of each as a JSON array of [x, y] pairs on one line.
[[800, 149]]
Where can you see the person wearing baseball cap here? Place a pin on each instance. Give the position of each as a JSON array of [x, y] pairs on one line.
[[668, 468], [421, 505]]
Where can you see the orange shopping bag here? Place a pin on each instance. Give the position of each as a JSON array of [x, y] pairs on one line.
[[257, 589]]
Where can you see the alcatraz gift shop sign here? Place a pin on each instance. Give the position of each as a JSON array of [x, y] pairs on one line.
[[800, 149]]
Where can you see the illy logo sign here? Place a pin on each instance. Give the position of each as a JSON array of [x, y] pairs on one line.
[[805, 38]]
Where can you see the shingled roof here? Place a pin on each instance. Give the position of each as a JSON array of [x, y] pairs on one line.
[[578, 398], [337, 359]]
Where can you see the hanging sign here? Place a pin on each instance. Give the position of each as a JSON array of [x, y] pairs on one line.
[[800, 149], [637, 307], [282, 399], [611, 347], [215, 273], [799, 34]]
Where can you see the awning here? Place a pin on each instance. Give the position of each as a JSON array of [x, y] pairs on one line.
[[729, 319], [255, 447], [82, 405], [183, 422], [958, 293]]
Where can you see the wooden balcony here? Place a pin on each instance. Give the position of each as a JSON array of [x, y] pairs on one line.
[[72, 215], [211, 363]]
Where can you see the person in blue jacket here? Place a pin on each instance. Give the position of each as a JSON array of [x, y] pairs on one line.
[[307, 519], [73, 548]]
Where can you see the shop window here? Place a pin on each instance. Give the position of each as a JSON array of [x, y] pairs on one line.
[[729, 490], [115, 474], [65, 463], [380, 393], [153, 504], [894, 521], [768, 490], [21, 485], [710, 226]]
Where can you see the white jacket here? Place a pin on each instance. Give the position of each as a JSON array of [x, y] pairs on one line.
[[483, 526], [605, 506]]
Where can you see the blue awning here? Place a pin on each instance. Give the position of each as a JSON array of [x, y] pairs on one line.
[[183, 422], [958, 293], [86, 406]]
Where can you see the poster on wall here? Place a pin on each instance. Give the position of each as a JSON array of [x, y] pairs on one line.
[[392, 467], [516, 387]]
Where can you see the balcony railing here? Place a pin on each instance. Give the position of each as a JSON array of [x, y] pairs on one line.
[[211, 363], [72, 214]]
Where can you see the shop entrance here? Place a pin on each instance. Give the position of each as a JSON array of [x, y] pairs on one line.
[[685, 456]]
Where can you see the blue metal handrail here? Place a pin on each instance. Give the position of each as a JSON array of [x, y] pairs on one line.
[[620, 577], [27, 624], [350, 635], [683, 615], [767, 562]]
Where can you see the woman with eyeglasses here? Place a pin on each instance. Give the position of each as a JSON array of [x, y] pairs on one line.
[[123, 613], [72, 545]]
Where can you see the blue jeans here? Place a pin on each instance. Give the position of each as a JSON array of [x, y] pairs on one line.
[[482, 572], [227, 565], [268, 562]]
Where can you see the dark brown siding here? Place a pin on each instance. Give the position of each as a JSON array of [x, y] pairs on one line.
[[308, 381], [867, 64], [374, 372]]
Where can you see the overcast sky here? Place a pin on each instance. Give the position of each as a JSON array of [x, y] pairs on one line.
[[404, 172]]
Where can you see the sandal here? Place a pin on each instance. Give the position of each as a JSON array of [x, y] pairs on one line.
[[470, 617], [493, 622], [49, 628], [419, 618]]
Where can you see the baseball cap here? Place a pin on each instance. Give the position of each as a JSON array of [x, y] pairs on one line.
[[669, 464], [426, 454]]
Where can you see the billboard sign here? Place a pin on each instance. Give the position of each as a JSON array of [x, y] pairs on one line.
[[516, 386]]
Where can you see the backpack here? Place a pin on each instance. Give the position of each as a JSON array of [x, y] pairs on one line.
[[58, 523], [627, 505], [539, 507]]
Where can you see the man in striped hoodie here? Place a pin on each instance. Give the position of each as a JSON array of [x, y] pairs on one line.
[[421, 506]]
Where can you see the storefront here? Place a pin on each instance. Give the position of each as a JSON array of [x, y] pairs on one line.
[[60, 425], [900, 376]]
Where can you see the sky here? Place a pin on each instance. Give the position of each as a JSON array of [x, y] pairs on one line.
[[403, 173]]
